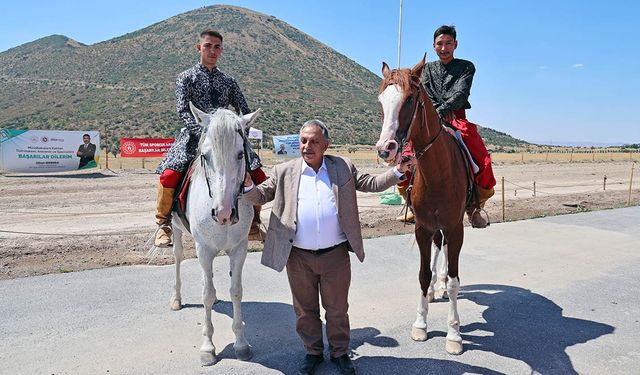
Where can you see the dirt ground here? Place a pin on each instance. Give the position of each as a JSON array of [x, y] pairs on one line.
[[76, 221]]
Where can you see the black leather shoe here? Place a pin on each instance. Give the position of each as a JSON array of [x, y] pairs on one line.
[[344, 364], [311, 361]]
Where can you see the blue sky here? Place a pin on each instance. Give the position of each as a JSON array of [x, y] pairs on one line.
[[547, 71]]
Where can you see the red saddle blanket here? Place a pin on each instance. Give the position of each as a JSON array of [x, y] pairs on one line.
[[180, 199]]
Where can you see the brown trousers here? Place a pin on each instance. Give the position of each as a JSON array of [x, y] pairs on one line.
[[330, 275]]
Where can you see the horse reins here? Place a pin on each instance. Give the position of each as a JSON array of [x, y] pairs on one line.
[[418, 154], [418, 106], [247, 166], [247, 163]]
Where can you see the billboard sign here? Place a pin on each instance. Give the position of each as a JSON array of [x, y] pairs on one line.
[[286, 145], [144, 147], [37, 151]]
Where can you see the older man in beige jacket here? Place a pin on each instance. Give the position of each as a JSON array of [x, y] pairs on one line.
[[314, 223]]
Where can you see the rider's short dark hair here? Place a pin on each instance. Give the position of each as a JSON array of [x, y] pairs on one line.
[[212, 33], [445, 30]]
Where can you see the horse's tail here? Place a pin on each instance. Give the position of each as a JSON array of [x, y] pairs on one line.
[[154, 251]]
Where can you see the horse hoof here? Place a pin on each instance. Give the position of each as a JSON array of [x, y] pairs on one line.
[[441, 294], [244, 354], [454, 347], [176, 304], [418, 334], [208, 359]]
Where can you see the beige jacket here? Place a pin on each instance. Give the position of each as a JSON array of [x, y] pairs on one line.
[[282, 188]]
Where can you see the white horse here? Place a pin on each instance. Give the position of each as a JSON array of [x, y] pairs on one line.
[[219, 220]]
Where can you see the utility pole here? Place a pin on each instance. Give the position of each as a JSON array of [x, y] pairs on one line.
[[399, 34]]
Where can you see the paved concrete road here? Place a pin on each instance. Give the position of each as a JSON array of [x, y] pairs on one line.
[[552, 296]]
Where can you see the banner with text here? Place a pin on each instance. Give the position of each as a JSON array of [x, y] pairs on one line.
[[40, 151], [144, 147], [286, 145]]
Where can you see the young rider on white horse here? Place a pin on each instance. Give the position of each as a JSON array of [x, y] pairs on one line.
[[207, 88]]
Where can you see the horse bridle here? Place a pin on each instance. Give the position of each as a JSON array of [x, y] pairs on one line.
[[247, 167], [419, 104]]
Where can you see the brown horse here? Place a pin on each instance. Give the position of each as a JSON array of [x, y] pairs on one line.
[[440, 185]]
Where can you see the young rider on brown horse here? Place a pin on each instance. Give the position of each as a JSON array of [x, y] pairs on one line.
[[207, 88], [448, 85]]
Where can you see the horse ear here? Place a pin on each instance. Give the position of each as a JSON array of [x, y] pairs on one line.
[[198, 114], [248, 119], [385, 69], [416, 71]]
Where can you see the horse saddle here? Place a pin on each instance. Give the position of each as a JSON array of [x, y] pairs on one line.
[[470, 165]]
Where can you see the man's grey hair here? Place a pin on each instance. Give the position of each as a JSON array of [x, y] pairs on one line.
[[318, 123]]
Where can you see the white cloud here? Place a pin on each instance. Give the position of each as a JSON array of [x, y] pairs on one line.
[[577, 65], [542, 67]]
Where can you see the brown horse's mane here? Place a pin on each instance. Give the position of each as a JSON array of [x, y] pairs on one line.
[[400, 77]]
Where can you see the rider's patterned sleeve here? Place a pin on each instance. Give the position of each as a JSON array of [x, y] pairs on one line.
[[184, 94], [458, 94], [237, 99]]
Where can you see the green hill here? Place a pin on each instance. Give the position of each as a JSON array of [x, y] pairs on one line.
[[495, 138], [127, 83]]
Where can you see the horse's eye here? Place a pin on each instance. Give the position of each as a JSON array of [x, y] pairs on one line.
[[240, 155]]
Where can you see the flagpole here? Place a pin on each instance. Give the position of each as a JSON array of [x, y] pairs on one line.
[[399, 34]]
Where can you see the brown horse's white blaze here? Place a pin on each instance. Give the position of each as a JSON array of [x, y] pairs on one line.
[[391, 100]]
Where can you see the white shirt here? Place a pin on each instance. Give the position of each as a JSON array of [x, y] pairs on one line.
[[317, 217]]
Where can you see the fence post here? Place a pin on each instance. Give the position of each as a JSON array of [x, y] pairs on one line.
[[604, 183], [534, 188], [547, 157], [142, 163], [106, 138], [571, 157], [503, 199], [522, 156], [630, 184]]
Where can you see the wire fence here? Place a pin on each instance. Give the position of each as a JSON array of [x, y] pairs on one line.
[[582, 188], [594, 187], [507, 189], [366, 154]]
